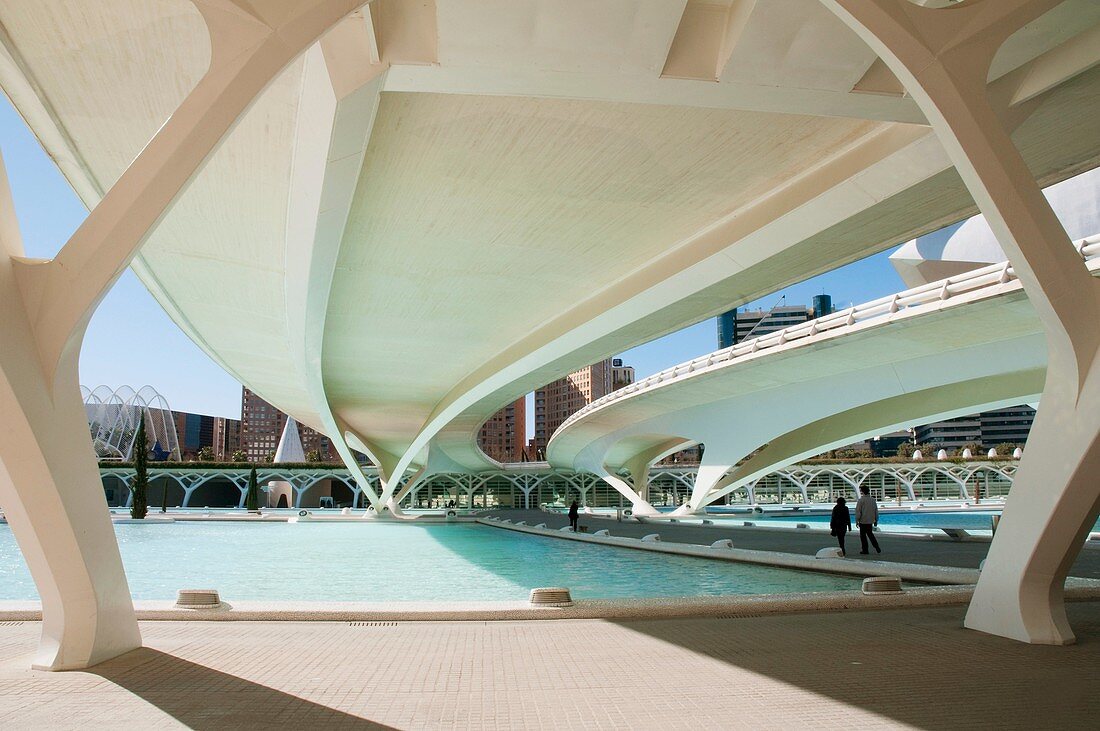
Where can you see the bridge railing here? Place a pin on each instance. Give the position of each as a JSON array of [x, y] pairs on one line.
[[986, 277]]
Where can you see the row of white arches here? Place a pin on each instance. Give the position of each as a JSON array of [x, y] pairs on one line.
[[531, 489]]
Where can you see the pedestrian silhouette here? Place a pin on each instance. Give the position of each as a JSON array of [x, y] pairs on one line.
[[573, 515], [841, 522], [867, 519]]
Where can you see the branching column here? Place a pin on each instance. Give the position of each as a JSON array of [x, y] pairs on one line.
[[943, 56]]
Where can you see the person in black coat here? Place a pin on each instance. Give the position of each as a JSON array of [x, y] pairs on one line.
[[841, 522], [573, 515]]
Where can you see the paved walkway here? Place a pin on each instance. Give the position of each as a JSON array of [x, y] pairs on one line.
[[963, 554], [881, 669]]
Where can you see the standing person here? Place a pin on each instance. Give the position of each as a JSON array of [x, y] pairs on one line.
[[573, 515], [867, 518], [841, 522]]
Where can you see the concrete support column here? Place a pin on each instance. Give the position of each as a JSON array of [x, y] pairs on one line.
[[638, 504], [639, 475], [48, 480], [942, 56], [62, 526]]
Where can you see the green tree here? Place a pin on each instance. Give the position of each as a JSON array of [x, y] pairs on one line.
[[139, 507], [313, 455], [905, 450], [239, 456], [252, 497], [206, 454], [270, 457]]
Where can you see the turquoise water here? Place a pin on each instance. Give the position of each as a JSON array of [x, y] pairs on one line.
[[974, 521], [382, 562], [971, 520]]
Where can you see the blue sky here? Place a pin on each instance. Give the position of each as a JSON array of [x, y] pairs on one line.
[[131, 340]]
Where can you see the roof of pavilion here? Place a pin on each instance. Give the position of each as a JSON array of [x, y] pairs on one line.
[[444, 205]]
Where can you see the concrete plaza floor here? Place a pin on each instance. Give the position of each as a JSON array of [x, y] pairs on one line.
[[905, 549], [877, 669]]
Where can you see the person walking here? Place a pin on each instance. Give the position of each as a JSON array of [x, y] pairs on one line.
[[841, 522], [867, 519], [574, 513]]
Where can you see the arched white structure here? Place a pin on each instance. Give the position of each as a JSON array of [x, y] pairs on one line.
[[974, 245], [945, 348], [204, 63], [944, 58], [113, 418], [368, 188]]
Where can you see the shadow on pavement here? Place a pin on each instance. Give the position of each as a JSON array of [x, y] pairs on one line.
[[203, 698], [917, 667]]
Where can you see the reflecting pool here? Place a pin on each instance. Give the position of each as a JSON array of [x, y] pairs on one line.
[[392, 562]]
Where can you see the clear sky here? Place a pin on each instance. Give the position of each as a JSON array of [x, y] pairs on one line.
[[131, 341]]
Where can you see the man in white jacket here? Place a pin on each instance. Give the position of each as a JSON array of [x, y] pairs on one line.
[[867, 518]]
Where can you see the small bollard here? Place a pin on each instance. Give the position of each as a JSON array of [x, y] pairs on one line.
[[198, 599], [551, 597]]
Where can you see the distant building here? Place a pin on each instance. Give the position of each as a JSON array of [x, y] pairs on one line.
[[737, 325], [1006, 425], [227, 438], [951, 434], [504, 436], [557, 401], [689, 456], [988, 429], [621, 375], [727, 329], [195, 431], [262, 426], [884, 445]]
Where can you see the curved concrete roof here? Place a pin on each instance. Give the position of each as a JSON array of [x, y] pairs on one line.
[[916, 357], [1076, 202], [442, 206]]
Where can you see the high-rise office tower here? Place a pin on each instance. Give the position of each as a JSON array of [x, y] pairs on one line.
[[556, 401], [621, 375], [262, 425], [504, 436], [737, 325]]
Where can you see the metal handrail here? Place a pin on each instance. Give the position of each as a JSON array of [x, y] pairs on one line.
[[986, 277]]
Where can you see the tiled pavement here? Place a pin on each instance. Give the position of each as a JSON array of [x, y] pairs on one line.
[[895, 548], [896, 668]]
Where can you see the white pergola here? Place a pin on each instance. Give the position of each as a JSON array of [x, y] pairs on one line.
[[392, 218]]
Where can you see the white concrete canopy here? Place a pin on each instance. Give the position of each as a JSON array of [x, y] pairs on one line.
[[414, 212], [405, 175]]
